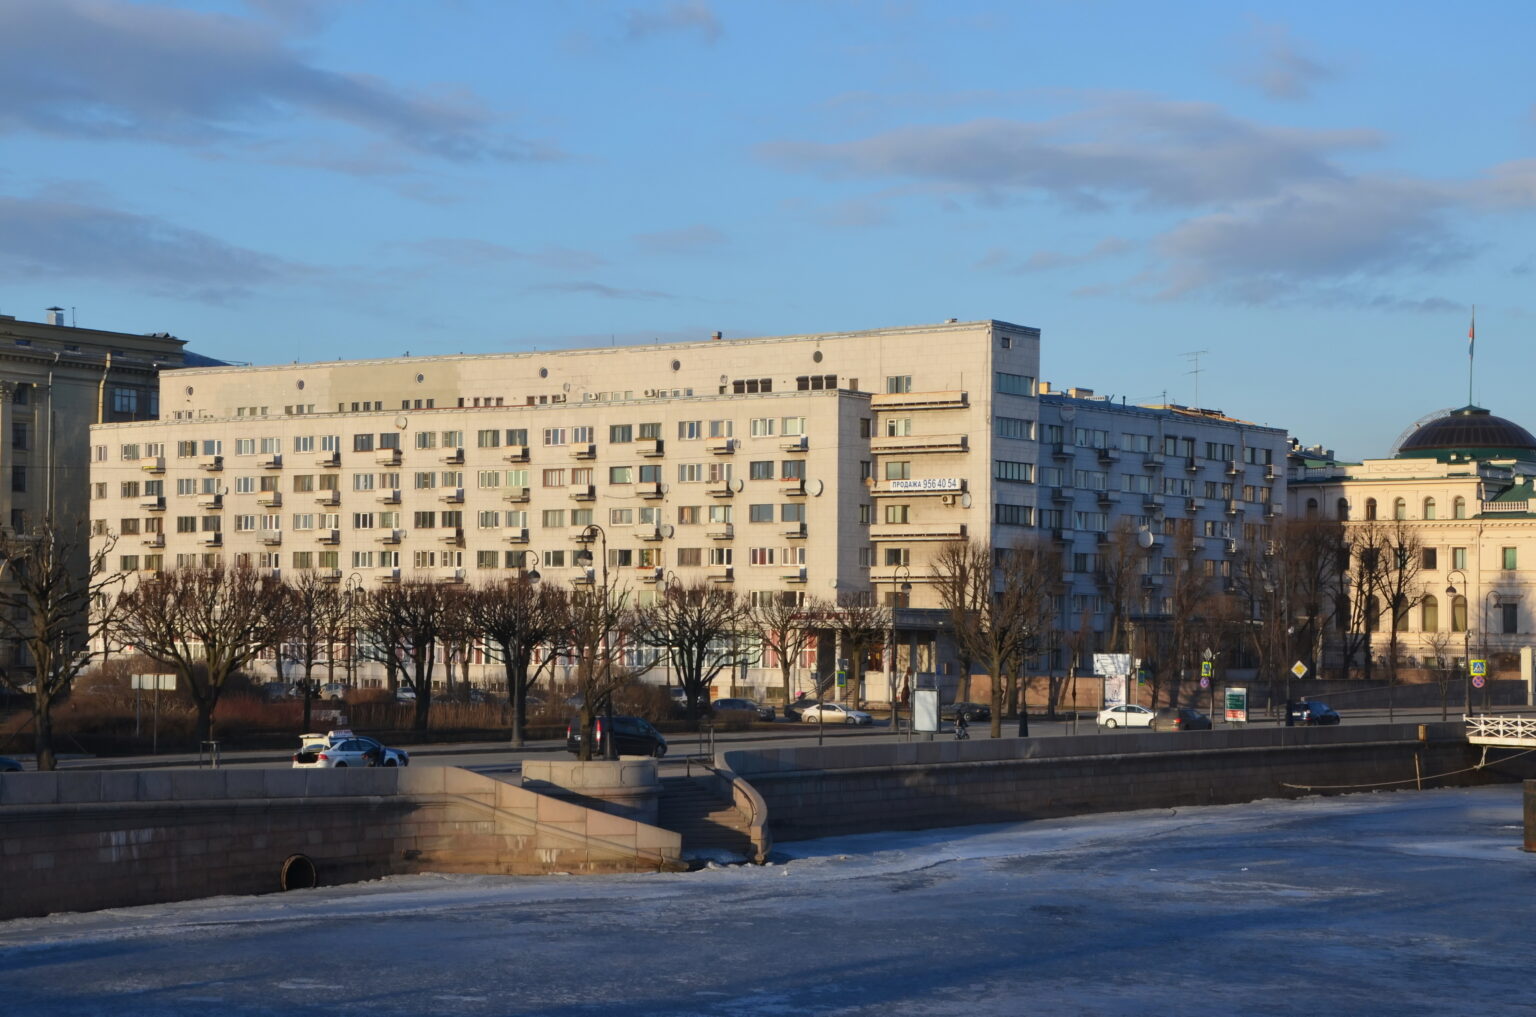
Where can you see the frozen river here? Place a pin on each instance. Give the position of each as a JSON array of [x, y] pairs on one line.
[[1368, 904]]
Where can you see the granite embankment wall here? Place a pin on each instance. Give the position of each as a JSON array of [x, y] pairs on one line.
[[842, 789], [88, 840]]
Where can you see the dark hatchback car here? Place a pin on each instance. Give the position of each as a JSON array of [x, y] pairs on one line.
[[8, 765], [1181, 719], [632, 736], [1313, 714], [970, 711], [792, 710], [762, 712]]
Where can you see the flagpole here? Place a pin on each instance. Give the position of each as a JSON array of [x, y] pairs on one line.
[[1471, 345]]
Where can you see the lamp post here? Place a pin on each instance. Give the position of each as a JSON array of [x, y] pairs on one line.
[[1493, 596], [354, 590], [595, 532], [901, 588], [1466, 631]]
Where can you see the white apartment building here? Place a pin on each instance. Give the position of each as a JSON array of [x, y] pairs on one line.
[[822, 464], [1168, 471]]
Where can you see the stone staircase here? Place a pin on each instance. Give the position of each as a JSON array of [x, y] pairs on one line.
[[689, 806]]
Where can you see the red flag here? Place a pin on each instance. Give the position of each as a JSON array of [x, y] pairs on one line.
[[1472, 334]]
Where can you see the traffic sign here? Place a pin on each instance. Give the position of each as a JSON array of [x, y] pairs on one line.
[[1205, 682], [1299, 669], [1477, 681], [842, 679], [1205, 671], [1479, 668]]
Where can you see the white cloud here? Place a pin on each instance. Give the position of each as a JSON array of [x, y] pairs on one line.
[[1281, 70]]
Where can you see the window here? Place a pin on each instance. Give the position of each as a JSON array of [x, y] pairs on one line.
[[1023, 473], [554, 478], [1400, 508], [362, 443], [720, 513], [866, 514], [360, 481], [649, 431], [425, 520], [18, 478], [553, 518], [687, 515], [792, 469], [897, 556], [303, 520], [304, 482], [761, 556], [1370, 508], [1458, 614], [650, 474], [554, 436], [517, 436], [362, 520], [898, 427], [453, 439], [1509, 617], [1459, 508], [304, 443], [1458, 558], [619, 434], [1429, 508], [792, 425], [1429, 558], [896, 513], [792, 512], [621, 474], [720, 556], [1429, 614], [690, 473], [721, 428], [760, 513], [1015, 427], [718, 473], [130, 489], [689, 556], [898, 470], [689, 430], [184, 450], [488, 478], [1509, 559], [426, 439], [760, 469], [1014, 515], [488, 438], [1015, 384], [763, 427], [621, 516], [898, 383]]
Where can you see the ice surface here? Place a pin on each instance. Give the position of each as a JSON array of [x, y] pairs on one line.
[[1362, 905]]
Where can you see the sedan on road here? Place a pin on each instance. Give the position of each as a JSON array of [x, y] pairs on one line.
[[1313, 714], [1181, 719], [338, 749], [970, 711], [9, 765], [759, 710], [1126, 716], [834, 713], [632, 736]]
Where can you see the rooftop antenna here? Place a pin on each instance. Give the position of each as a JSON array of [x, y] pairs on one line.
[[1194, 357]]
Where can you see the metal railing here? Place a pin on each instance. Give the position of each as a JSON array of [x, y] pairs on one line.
[[1511, 729]]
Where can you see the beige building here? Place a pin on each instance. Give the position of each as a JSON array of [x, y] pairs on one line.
[[1461, 486], [818, 464]]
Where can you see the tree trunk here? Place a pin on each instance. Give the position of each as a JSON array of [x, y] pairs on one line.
[[42, 726]]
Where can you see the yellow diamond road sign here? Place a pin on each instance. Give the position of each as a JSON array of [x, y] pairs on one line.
[[1299, 669]]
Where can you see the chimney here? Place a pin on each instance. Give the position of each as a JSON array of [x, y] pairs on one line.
[[55, 315], [716, 337]]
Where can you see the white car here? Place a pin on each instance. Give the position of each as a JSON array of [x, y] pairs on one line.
[[834, 713], [1126, 716], [342, 748]]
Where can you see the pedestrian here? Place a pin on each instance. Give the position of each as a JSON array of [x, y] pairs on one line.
[[962, 726]]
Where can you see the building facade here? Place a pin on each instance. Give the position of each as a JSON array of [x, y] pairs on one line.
[[819, 465]]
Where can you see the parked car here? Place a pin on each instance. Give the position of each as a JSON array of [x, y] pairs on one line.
[[406, 693], [1313, 714], [334, 691], [632, 736], [1126, 716], [970, 711], [342, 748], [793, 710], [9, 765], [762, 712], [275, 692], [834, 713], [1181, 719]]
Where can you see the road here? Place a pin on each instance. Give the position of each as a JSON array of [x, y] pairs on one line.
[[491, 757]]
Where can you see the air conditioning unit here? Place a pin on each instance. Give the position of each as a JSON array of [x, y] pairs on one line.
[[947, 499], [650, 393]]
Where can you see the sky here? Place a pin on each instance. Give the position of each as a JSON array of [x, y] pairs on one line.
[[1311, 196], [1369, 904]]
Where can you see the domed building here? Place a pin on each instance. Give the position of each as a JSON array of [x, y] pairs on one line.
[[1458, 492]]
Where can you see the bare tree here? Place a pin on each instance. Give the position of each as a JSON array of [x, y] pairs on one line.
[[702, 630], [1316, 558], [203, 624], [57, 610], [1439, 644], [598, 632], [1187, 590], [516, 616], [786, 625], [1400, 582], [961, 595], [861, 627], [1366, 544], [309, 622]]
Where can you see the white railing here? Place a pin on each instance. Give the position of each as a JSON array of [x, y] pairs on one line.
[[1514, 729]]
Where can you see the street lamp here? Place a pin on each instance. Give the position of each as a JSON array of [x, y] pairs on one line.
[[354, 590], [1466, 631], [901, 588], [584, 556]]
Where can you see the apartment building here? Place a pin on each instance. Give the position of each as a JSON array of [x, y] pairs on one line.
[[1171, 472], [820, 465]]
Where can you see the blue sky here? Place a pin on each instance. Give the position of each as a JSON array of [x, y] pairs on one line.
[[1315, 194]]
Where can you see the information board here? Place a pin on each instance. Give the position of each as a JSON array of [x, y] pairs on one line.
[[1236, 705]]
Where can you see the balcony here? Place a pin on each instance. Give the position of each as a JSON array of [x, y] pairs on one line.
[[1233, 469], [390, 497], [453, 457], [794, 487], [722, 574], [917, 531], [331, 460], [271, 462], [722, 531], [1271, 510], [270, 499], [515, 534], [1151, 582], [1269, 473], [648, 533], [651, 448], [721, 446], [587, 451], [1152, 461], [331, 498], [517, 454], [584, 577], [390, 537], [452, 496], [1192, 465], [389, 576], [1061, 536], [796, 576], [329, 536], [154, 503], [213, 464], [328, 575], [214, 539], [1105, 498], [454, 536], [1061, 450], [1108, 455], [271, 537], [1230, 549], [212, 501], [585, 534], [1061, 494], [154, 540], [387, 457], [943, 400], [649, 490], [516, 495], [796, 443], [721, 490], [1193, 505], [796, 531], [651, 573], [1232, 507], [154, 464], [584, 492], [455, 576], [919, 444]]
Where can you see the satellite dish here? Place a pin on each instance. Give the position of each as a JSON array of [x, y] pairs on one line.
[[668, 529], [738, 484], [401, 422], [566, 387], [965, 500], [1144, 537], [1069, 413], [816, 487]]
